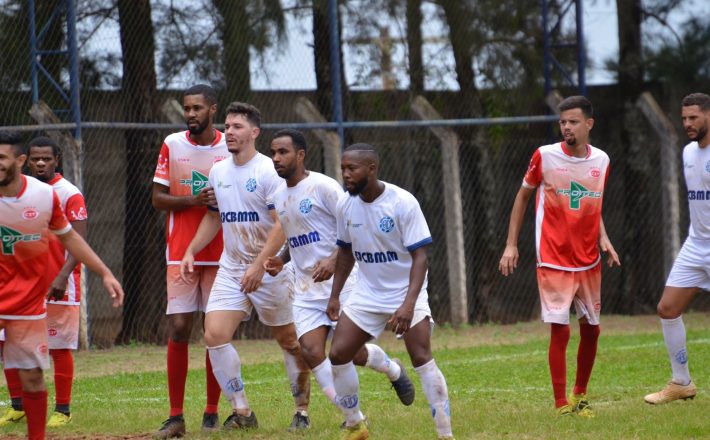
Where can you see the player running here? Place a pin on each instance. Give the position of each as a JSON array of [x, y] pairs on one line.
[[306, 210], [29, 210], [690, 269], [244, 187], [381, 226], [570, 177], [180, 187]]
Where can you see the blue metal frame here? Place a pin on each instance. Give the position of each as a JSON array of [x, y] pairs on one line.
[[549, 44]]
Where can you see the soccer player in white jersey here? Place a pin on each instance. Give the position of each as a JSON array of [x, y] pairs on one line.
[[306, 210], [382, 227], [63, 309], [569, 177], [690, 269], [244, 186], [29, 211], [180, 188]]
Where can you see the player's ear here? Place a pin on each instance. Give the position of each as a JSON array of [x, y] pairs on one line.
[[590, 123]]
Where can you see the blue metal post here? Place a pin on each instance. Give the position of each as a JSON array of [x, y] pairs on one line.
[[75, 100], [33, 51], [581, 50], [335, 68]]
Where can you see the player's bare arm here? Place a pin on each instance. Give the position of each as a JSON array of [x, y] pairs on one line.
[[255, 272], [509, 260], [209, 227], [325, 268], [401, 320], [164, 201], [59, 285], [606, 246], [77, 247], [344, 262]]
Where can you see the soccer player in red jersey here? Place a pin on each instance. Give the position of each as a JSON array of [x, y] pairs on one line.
[[29, 211], [180, 188], [569, 177]]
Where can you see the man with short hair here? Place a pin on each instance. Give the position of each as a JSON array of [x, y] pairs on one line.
[[244, 187], [180, 188], [382, 227], [690, 269], [570, 177], [29, 211], [306, 210], [63, 308]]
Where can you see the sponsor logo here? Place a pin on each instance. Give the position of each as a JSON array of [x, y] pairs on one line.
[[597, 307], [576, 193], [251, 185], [183, 159], [595, 172], [10, 237], [304, 239], [386, 224], [78, 215], [376, 257], [42, 349], [218, 158], [305, 206], [52, 332], [239, 217], [561, 170], [196, 183], [682, 356], [30, 213], [221, 184], [698, 195], [707, 166]]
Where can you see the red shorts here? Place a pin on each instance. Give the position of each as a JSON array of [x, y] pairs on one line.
[[25, 344], [190, 296], [559, 288]]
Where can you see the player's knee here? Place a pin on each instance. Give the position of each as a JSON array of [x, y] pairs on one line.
[[180, 329], [420, 358], [32, 380], [313, 355], [667, 311]]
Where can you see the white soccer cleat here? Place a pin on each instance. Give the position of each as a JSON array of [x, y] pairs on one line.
[[671, 392]]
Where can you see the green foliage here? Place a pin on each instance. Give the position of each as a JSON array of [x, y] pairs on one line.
[[686, 61]]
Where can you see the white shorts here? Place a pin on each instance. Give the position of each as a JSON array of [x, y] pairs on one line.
[[308, 317], [692, 266], [273, 300], [374, 323]]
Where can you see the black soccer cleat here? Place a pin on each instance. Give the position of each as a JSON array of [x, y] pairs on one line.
[[300, 421], [403, 385], [173, 427], [238, 421]]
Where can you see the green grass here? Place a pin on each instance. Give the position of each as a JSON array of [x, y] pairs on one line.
[[498, 379]]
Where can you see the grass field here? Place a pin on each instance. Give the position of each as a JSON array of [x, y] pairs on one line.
[[498, 379]]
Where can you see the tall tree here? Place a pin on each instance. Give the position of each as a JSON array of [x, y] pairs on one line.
[[234, 31], [414, 46], [323, 65]]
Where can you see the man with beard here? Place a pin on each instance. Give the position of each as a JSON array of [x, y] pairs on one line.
[[382, 227], [244, 188], [306, 210], [570, 177], [29, 211], [690, 269], [63, 308], [180, 187]]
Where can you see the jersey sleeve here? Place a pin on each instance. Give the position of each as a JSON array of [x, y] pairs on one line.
[[341, 220], [162, 169], [76, 208], [533, 176], [412, 224], [58, 222], [211, 182], [329, 195], [272, 184]]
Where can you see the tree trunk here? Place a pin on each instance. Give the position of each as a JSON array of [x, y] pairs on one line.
[[235, 37], [323, 66], [414, 45], [143, 257]]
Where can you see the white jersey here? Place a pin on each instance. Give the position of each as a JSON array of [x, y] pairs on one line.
[[307, 215], [696, 167], [382, 234], [245, 199]]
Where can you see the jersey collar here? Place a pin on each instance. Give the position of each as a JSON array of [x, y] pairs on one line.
[[568, 153], [217, 138]]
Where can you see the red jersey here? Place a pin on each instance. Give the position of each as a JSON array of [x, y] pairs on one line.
[[25, 222], [568, 208], [184, 167], [74, 208]]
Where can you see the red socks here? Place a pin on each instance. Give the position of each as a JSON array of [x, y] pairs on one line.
[[63, 377], [14, 385], [213, 389], [36, 410], [559, 337], [589, 335], [177, 375]]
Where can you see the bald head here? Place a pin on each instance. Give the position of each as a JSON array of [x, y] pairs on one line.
[[363, 152]]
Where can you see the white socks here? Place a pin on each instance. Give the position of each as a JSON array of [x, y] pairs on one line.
[[346, 388], [674, 335], [324, 376], [227, 369], [437, 394], [378, 360], [299, 378]]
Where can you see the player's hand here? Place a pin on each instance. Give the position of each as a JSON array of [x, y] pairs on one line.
[[402, 319], [613, 257], [509, 260], [187, 265], [252, 278], [114, 289], [58, 288], [323, 270], [206, 197], [273, 265], [333, 310]]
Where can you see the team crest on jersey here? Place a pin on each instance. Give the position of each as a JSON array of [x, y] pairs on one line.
[[196, 183], [29, 213], [595, 172], [707, 166], [386, 224], [10, 237], [576, 193], [251, 185], [305, 206]]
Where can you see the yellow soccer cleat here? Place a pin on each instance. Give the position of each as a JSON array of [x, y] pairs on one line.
[[11, 416], [446, 438], [57, 420], [671, 392], [566, 410], [580, 405], [357, 432]]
